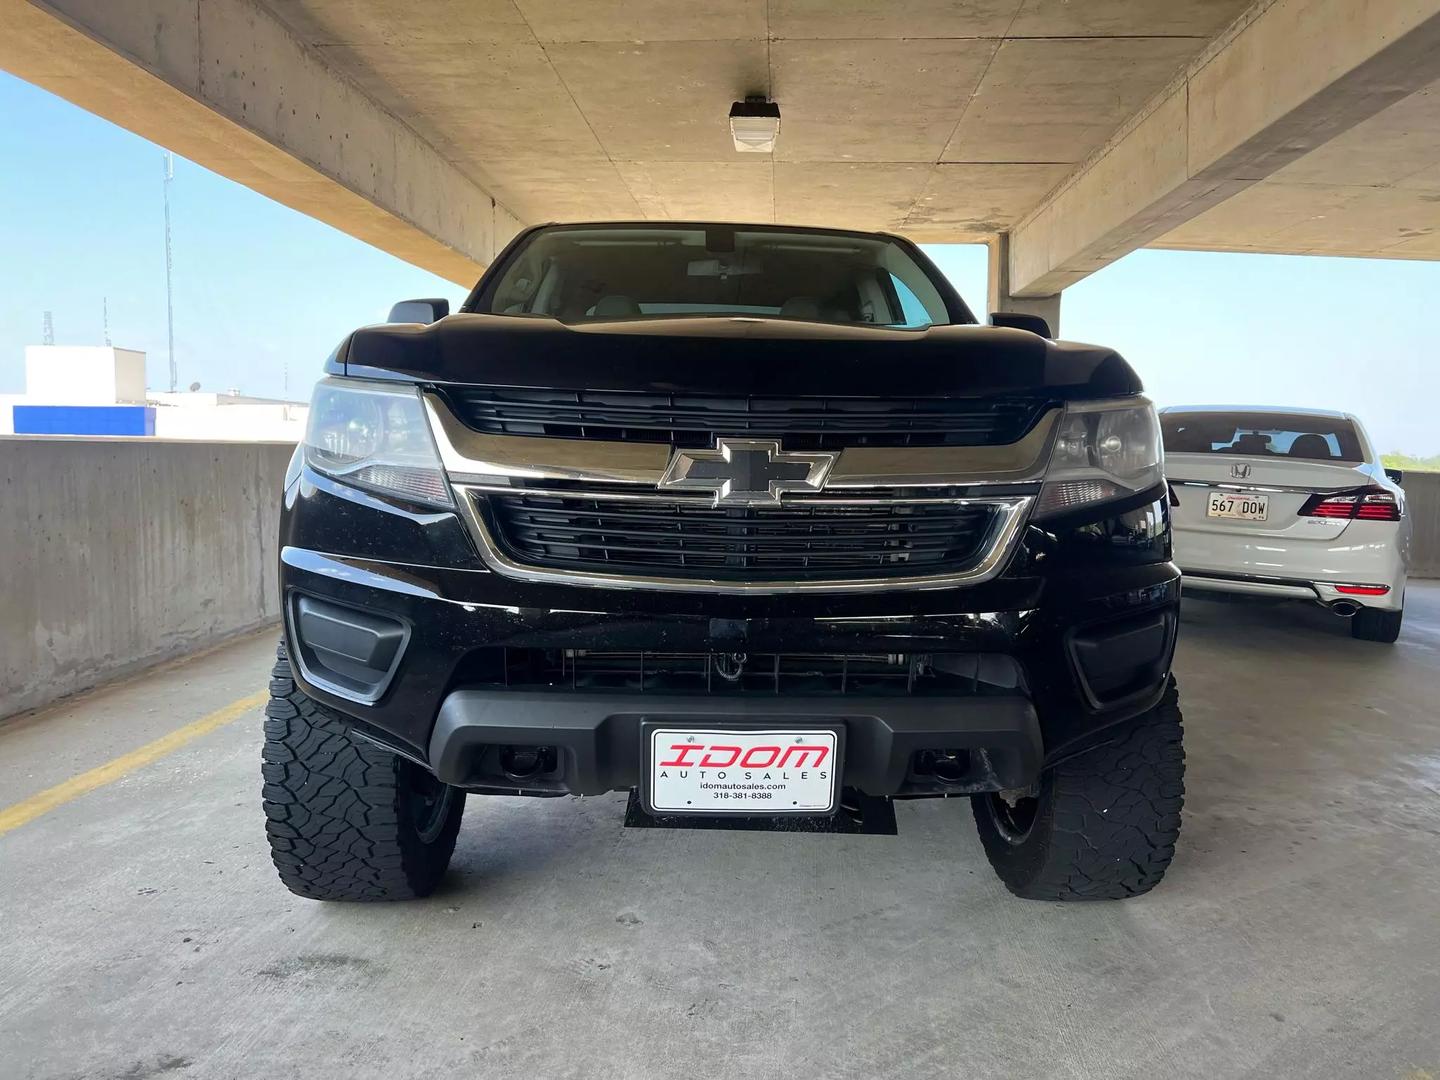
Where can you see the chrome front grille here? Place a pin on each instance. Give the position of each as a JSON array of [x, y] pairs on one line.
[[689, 539], [817, 544], [590, 511]]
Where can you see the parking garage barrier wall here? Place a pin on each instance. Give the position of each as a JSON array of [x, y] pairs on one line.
[[120, 553], [1422, 503]]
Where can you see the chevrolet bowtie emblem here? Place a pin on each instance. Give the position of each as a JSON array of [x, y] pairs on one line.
[[747, 472]]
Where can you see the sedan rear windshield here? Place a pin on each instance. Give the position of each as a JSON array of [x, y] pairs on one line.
[[603, 273], [1288, 435]]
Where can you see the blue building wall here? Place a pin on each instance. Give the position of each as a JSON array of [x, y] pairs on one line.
[[84, 420]]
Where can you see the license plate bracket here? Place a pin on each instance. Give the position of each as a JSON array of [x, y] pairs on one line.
[[738, 768]]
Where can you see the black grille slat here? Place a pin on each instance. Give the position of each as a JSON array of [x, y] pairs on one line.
[[660, 420], [680, 539], [559, 534], [653, 541], [740, 547], [697, 513], [706, 532], [805, 422], [737, 674], [774, 532]]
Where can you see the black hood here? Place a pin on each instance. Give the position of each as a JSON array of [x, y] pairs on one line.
[[728, 355]]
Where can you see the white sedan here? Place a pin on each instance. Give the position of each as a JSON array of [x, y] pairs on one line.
[[1288, 503]]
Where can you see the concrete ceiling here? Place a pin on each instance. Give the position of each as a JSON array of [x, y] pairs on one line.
[[1372, 191], [942, 119], [1069, 132]]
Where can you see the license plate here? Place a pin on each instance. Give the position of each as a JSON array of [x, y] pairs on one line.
[[1227, 504], [715, 771]]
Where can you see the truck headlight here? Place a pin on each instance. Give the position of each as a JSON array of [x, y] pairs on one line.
[[376, 437], [1104, 450]]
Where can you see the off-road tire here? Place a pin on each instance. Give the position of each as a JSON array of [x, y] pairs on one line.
[[1099, 826], [1368, 624], [347, 820]]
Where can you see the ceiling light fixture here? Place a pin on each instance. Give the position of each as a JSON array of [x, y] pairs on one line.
[[754, 124]]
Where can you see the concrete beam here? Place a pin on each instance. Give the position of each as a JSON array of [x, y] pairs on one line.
[[1284, 79], [1001, 294], [223, 83]]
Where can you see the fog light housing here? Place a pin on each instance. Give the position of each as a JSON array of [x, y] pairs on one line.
[[526, 762], [347, 651], [949, 767]]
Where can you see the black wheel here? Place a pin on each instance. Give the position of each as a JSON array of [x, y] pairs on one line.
[[1100, 826], [347, 820], [1367, 624]]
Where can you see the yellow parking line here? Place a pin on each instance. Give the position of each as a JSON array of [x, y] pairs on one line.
[[12, 817]]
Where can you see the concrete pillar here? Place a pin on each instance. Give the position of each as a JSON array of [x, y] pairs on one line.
[[1000, 297]]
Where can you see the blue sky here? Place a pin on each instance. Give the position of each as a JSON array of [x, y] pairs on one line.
[[263, 293]]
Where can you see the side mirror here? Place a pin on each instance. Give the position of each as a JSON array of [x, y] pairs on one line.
[[422, 311], [1395, 474], [1019, 320]]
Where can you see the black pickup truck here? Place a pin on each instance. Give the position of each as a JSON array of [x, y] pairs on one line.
[[753, 522]]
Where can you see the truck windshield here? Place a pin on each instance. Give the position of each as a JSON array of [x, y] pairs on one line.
[[603, 273], [1261, 434]]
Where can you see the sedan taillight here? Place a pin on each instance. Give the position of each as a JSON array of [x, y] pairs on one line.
[[1366, 504], [1336, 506]]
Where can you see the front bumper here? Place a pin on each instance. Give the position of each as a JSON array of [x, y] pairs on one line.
[[594, 739], [1085, 615]]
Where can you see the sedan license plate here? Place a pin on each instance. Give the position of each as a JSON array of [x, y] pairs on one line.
[[1239, 507], [715, 771]]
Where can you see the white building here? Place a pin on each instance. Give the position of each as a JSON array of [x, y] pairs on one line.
[[104, 376], [84, 375]]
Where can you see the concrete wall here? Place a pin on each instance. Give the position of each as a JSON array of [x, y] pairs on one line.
[[120, 553], [1422, 503]]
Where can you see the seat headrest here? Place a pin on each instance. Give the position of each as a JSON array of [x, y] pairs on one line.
[[615, 307], [1310, 445], [800, 307]]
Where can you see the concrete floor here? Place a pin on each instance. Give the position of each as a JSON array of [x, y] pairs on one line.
[[1298, 934]]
